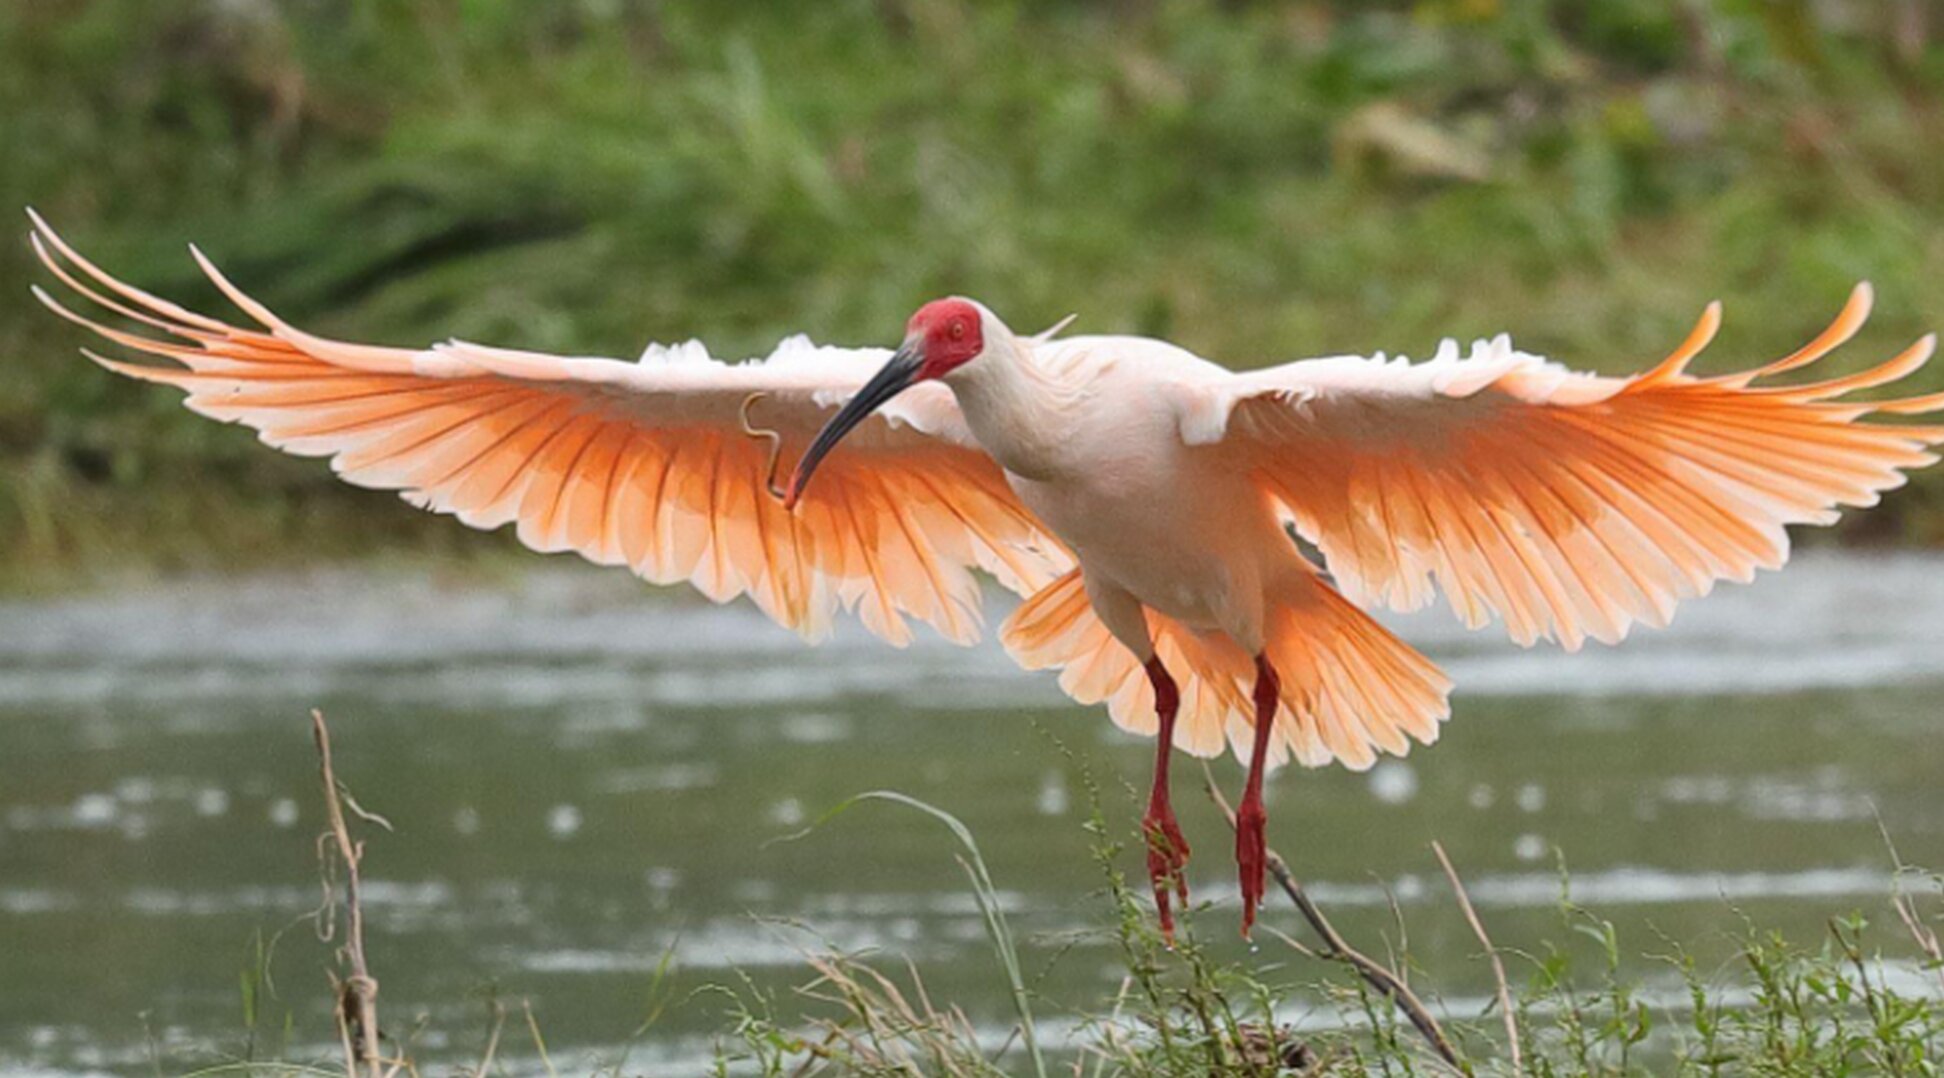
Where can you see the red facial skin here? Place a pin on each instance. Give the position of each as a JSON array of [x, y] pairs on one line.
[[950, 334], [943, 336]]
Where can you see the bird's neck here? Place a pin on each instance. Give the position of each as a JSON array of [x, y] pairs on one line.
[[1020, 410]]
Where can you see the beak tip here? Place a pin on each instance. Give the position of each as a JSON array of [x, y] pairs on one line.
[[897, 375]]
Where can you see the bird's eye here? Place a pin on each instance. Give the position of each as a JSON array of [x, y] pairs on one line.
[[957, 329]]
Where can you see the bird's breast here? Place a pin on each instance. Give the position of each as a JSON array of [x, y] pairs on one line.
[[1183, 540]]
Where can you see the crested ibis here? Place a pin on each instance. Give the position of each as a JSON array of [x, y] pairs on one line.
[[1139, 498]]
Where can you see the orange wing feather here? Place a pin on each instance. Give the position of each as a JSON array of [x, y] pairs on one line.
[[1568, 505], [634, 464], [1350, 688]]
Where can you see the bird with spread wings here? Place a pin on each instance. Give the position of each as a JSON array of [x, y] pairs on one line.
[[1138, 498]]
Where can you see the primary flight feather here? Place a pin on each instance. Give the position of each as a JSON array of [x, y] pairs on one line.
[[1137, 496]]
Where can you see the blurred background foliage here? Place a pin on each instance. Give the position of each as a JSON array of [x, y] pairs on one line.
[[1255, 181]]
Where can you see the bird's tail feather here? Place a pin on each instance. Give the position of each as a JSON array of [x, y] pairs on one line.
[[1350, 688]]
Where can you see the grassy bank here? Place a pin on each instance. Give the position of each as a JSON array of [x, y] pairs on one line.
[[1257, 182]]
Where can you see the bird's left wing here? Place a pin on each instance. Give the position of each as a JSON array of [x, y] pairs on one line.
[[1568, 504], [652, 464]]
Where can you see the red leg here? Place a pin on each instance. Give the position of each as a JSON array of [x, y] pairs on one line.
[[1251, 846], [1167, 850]]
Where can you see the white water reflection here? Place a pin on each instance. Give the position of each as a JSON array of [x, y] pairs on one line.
[[570, 636]]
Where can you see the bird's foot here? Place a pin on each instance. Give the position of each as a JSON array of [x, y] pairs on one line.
[[1251, 855], [1167, 857]]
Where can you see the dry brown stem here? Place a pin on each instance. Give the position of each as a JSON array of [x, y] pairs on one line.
[[492, 1041], [539, 1042], [1374, 973], [1913, 920], [357, 993], [1498, 964]]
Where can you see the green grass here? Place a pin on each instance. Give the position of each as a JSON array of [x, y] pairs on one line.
[[1867, 999], [1258, 182]]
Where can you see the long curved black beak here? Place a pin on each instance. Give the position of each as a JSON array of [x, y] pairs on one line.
[[897, 375]]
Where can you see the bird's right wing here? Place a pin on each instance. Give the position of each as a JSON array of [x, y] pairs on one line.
[[651, 465], [1568, 504]]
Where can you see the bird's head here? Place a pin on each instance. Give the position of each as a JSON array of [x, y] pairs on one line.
[[945, 337]]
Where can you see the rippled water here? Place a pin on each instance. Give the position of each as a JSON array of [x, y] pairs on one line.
[[586, 777]]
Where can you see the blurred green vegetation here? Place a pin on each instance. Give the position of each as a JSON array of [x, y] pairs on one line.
[[1257, 182]]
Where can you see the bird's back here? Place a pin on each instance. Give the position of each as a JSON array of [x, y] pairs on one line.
[[1086, 358]]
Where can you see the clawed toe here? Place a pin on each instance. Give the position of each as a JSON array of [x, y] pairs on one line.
[[1167, 860], [1251, 860]]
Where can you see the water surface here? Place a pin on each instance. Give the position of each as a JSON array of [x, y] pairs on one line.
[[586, 776]]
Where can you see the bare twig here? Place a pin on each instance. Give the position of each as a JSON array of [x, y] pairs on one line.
[[1400, 955], [357, 994], [1373, 973], [539, 1042], [401, 1061], [1292, 942], [1110, 1032], [1923, 934], [492, 1040], [1913, 920], [1498, 965], [818, 1053]]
